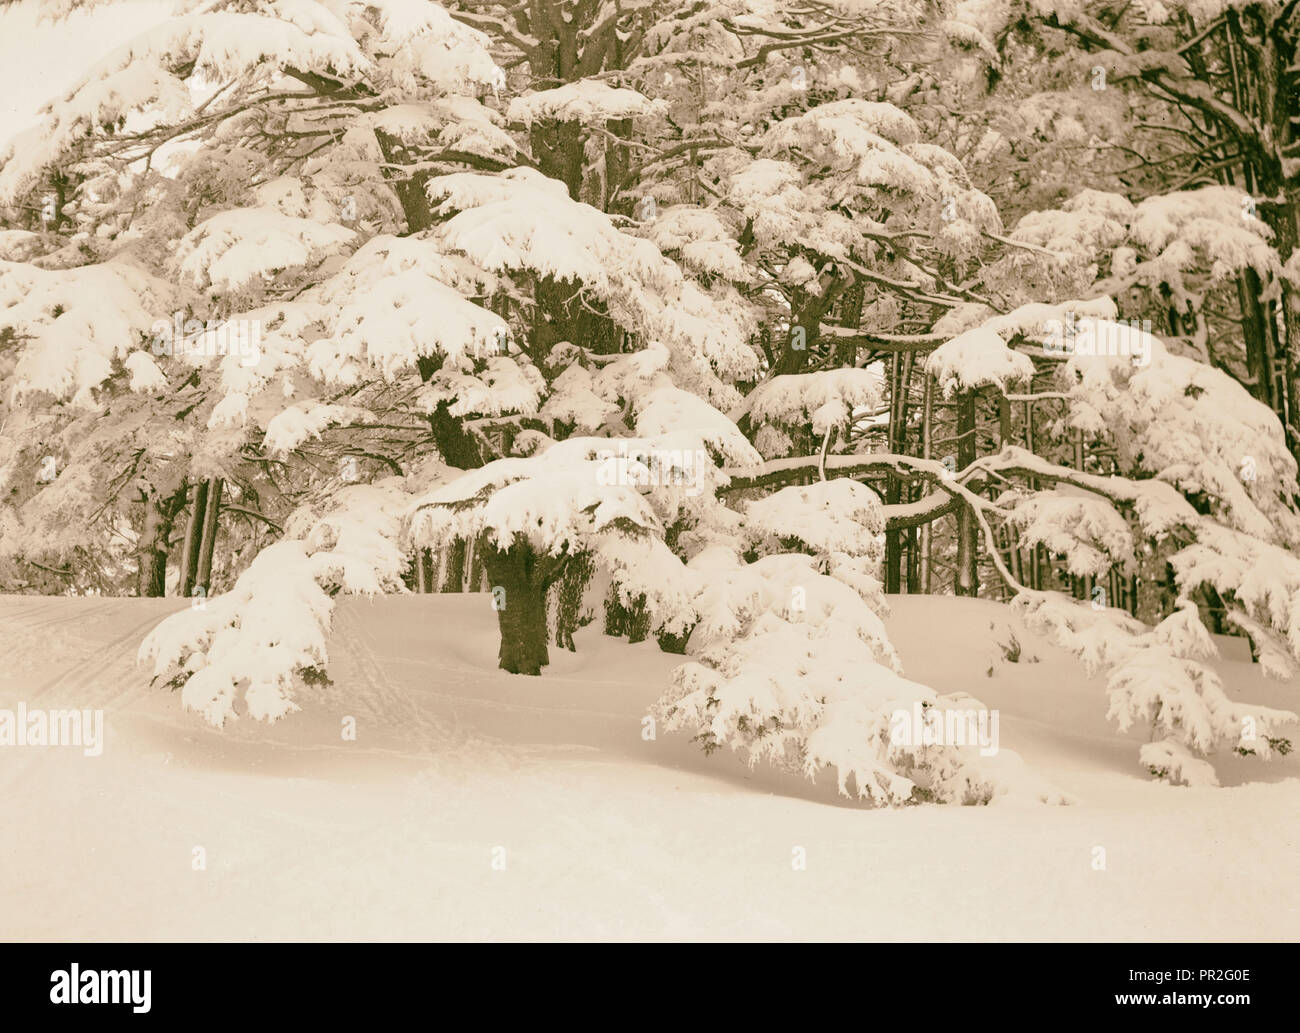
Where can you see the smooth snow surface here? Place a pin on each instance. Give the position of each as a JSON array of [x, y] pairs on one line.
[[605, 835]]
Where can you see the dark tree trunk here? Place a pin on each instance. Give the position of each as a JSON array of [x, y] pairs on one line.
[[558, 148], [454, 577], [519, 580], [424, 571], [151, 574], [208, 541], [967, 581], [410, 189], [893, 541], [457, 446], [193, 536]]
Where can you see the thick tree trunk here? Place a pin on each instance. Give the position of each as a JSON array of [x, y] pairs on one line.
[[900, 381], [893, 541], [558, 148], [519, 580], [410, 189], [1286, 226], [1261, 353]]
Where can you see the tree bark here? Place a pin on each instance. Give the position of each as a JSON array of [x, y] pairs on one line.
[[967, 580], [193, 533], [155, 535], [208, 542], [519, 579]]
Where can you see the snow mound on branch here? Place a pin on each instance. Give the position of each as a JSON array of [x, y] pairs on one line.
[[825, 399], [1084, 528], [670, 410], [1156, 677], [457, 123], [1038, 319], [573, 399], [554, 500], [853, 127], [770, 194], [305, 420], [421, 43], [1085, 224], [1173, 763], [521, 221], [1260, 582], [145, 374], [586, 101], [355, 543], [238, 247], [977, 358], [1218, 222], [404, 317], [703, 241], [582, 496], [831, 516], [503, 385], [80, 320]]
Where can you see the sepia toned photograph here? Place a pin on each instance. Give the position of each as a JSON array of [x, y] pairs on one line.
[[623, 471]]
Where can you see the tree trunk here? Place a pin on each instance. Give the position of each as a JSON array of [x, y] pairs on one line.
[[155, 537], [151, 573], [453, 579], [519, 580], [193, 533], [927, 452], [208, 541], [423, 572], [967, 580]]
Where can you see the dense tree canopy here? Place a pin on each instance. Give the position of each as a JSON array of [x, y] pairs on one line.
[[714, 322]]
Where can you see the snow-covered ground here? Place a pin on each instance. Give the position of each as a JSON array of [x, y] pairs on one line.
[[474, 804]]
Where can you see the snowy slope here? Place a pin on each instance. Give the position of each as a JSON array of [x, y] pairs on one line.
[[605, 835]]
